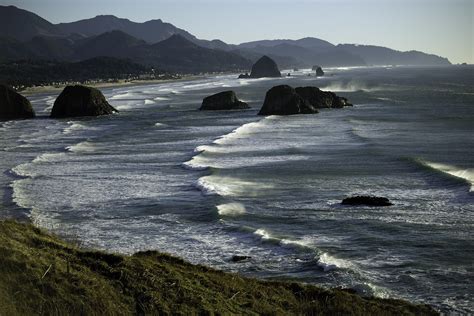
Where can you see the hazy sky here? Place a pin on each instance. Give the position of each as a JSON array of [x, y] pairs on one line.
[[442, 27]]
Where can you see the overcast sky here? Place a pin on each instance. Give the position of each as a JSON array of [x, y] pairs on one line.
[[442, 27]]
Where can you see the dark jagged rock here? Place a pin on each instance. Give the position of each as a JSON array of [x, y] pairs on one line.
[[244, 76], [366, 200], [265, 67], [321, 99], [81, 101], [238, 258], [319, 71], [226, 100], [13, 105], [283, 100]]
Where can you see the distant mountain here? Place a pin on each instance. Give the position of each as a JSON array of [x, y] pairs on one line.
[[377, 55], [112, 44], [311, 51], [151, 31], [11, 49], [25, 35], [307, 42], [51, 48], [323, 55], [23, 25], [179, 54]]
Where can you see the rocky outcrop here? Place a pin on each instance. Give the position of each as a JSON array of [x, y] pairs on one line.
[[244, 76], [81, 101], [226, 100], [13, 105], [319, 71], [265, 67], [321, 99], [283, 100], [366, 200], [238, 258]]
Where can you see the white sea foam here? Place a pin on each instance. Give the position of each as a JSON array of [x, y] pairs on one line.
[[262, 233], [81, 147], [75, 126], [149, 102], [466, 174], [158, 124], [48, 157], [329, 263], [231, 209], [229, 186], [240, 132], [126, 95]]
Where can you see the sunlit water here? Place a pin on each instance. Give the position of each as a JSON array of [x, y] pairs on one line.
[[209, 185]]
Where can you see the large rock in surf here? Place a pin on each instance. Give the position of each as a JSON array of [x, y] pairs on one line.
[[319, 71], [366, 200], [283, 100], [226, 100], [13, 105], [81, 101], [265, 67], [321, 99]]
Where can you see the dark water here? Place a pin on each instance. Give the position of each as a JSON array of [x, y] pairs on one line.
[[209, 185]]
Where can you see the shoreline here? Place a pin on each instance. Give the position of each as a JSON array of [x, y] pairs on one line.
[[121, 83], [42, 272]]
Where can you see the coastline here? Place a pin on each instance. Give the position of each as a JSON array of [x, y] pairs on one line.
[[120, 83], [41, 273]]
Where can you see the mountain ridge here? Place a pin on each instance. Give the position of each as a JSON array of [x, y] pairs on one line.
[[26, 35]]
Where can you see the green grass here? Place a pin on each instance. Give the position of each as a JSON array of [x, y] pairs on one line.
[[42, 274]]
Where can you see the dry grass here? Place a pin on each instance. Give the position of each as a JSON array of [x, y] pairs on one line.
[[42, 274]]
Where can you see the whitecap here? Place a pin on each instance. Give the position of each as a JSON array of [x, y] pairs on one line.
[[466, 174], [81, 147], [231, 209], [230, 186], [329, 263]]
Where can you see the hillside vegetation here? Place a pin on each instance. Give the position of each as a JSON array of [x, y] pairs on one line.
[[42, 274]]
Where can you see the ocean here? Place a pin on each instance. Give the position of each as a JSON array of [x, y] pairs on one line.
[[208, 185]]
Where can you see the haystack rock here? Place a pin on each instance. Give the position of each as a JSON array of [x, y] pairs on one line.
[[265, 67], [81, 101], [226, 100], [283, 100], [322, 99], [319, 71], [13, 105]]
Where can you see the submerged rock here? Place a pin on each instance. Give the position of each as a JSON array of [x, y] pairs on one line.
[[265, 67], [367, 200], [244, 76], [226, 100], [237, 258], [13, 105], [81, 101], [321, 99], [283, 100]]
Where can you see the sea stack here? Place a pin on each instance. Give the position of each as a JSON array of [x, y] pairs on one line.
[[80, 100], [265, 67], [226, 100], [13, 105], [283, 100], [322, 99], [319, 71]]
